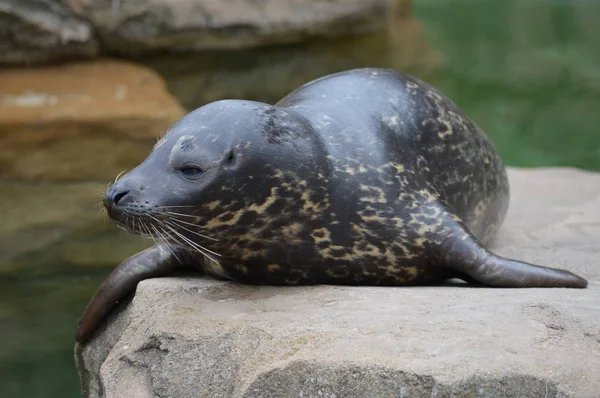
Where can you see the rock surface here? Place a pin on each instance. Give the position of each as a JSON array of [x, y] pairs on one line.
[[197, 337], [41, 31], [134, 27], [81, 121]]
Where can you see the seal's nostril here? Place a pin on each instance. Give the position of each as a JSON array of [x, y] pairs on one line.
[[118, 196]]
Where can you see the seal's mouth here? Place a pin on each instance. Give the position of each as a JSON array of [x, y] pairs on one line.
[[131, 212], [172, 225], [137, 217], [137, 223], [166, 224]]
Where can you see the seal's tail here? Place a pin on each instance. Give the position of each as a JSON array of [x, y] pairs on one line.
[[465, 254], [149, 263]]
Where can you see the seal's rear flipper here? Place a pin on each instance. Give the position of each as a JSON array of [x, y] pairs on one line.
[[150, 263], [462, 252]]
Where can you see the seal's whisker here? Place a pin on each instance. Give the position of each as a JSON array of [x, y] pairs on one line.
[[105, 216], [171, 249], [127, 219], [149, 233], [143, 231], [177, 237], [119, 175], [189, 230], [179, 223], [175, 225], [122, 217], [101, 212], [165, 242], [171, 213], [168, 207], [185, 222], [192, 243], [160, 136], [157, 235]]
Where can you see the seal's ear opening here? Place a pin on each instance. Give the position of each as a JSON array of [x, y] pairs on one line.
[[231, 159]]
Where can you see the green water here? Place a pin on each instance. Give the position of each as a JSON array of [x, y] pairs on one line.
[[528, 72]]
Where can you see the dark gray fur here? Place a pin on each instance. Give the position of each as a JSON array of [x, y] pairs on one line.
[[366, 177]]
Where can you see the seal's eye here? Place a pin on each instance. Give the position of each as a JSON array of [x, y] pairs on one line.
[[191, 171]]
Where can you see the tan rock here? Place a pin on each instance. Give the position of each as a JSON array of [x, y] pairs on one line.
[[197, 337], [80, 121]]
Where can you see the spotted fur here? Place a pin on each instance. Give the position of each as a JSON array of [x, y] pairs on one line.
[[365, 177]]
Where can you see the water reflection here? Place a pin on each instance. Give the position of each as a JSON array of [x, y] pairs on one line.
[[36, 337], [527, 71]]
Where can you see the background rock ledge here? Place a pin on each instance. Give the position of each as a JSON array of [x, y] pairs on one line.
[[197, 337], [81, 121], [43, 31]]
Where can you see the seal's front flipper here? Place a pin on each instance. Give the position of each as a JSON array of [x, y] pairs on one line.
[[150, 263], [462, 252]]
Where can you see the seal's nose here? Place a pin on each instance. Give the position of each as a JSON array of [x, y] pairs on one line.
[[114, 196], [118, 196]]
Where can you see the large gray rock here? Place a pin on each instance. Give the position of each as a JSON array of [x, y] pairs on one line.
[[41, 31], [138, 26], [38, 31], [197, 337]]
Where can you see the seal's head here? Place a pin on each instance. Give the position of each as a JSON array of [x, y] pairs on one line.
[[228, 164]]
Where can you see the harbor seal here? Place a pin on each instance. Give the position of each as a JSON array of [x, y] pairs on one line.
[[363, 177]]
